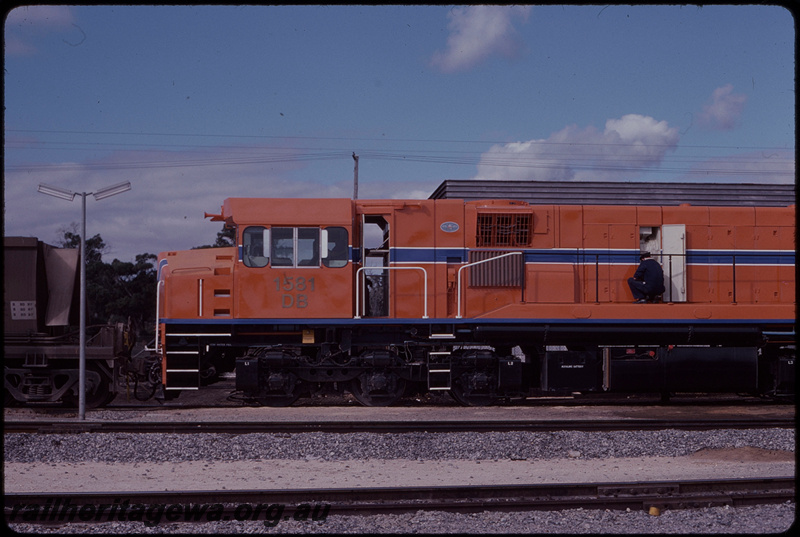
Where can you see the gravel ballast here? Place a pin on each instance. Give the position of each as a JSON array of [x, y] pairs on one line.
[[153, 447], [147, 451]]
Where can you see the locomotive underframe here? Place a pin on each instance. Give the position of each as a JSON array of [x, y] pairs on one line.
[[380, 360]]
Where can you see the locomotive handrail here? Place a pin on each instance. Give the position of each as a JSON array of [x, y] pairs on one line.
[[724, 259], [458, 289], [158, 309], [424, 287]]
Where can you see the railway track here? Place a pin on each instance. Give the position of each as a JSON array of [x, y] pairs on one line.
[[197, 506], [66, 425]]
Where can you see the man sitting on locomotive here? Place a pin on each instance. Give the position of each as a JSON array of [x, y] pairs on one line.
[[648, 280]]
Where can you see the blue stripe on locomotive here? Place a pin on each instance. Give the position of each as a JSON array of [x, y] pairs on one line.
[[592, 256]]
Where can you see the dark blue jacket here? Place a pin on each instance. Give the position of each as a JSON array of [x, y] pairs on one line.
[[651, 274]]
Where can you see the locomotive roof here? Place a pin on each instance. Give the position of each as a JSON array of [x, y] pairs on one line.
[[620, 193]]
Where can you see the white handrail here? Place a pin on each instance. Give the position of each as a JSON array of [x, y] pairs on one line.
[[158, 310], [458, 290], [424, 290]]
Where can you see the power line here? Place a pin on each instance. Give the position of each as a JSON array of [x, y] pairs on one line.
[[549, 155], [371, 139]]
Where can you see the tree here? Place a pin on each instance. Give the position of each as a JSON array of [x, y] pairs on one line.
[[120, 290], [225, 238]]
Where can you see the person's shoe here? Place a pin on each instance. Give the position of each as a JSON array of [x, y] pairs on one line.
[[641, 301]]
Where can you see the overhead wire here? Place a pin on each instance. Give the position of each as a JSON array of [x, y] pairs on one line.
[[552, 155]]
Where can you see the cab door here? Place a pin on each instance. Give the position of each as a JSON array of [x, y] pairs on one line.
[[374, 280]]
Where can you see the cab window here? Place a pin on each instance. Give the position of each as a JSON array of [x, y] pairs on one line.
[[295, 247], [336, 255], [283, 246], [307, 247], [254, 241]]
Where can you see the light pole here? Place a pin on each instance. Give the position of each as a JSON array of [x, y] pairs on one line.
[[69, 195]]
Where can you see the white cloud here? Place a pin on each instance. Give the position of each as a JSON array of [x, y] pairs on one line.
[[723, 110], [629, 144], [478, 32]]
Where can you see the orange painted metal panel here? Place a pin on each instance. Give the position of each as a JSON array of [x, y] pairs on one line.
[[422, 230], [686, 214], [196, 281], [608, 214], [290, 293], [414, 225], [731, 216], [648, 216], [775, 216], [569, 222], [448, 226], [544, 226], [555, 283], [289, 212]]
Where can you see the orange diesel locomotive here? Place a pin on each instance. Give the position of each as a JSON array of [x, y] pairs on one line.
[[488, 300]]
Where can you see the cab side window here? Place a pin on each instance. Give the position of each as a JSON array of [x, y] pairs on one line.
[[295, 247], [337, 248], [255, 245]]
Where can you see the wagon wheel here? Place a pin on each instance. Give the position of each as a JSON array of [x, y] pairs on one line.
[[378, 387], [280, 389], [98, 391], [473, 388], [8, 399]]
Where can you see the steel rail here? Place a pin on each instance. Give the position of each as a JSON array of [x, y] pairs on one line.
[[56, 507], [66, 426]]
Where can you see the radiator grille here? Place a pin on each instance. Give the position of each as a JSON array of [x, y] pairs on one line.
[[503, 272]]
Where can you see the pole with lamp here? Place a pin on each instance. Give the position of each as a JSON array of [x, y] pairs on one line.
[[69, 195]]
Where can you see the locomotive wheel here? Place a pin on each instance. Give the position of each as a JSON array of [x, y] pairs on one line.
[[473, 389], [282, 389], [377, 387]]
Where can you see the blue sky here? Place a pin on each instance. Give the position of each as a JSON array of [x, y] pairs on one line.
[[195, 104]]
